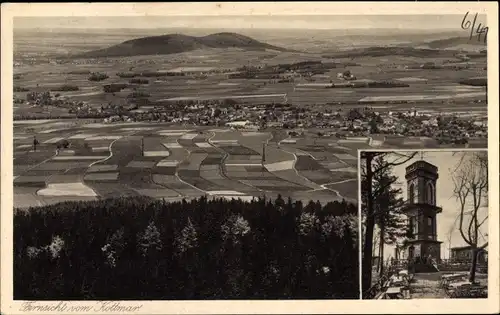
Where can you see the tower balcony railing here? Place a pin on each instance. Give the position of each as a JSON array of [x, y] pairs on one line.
[[421, 236], [409, 203]]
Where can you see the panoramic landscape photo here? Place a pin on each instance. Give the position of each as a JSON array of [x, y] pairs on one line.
[[153, 160]]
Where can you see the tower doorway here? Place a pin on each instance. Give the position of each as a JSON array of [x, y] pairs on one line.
[[411, 252]]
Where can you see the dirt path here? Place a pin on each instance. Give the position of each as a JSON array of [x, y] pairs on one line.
[[427, 289]]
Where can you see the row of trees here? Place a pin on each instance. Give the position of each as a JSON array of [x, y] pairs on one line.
[[65, 88], [139, 248]]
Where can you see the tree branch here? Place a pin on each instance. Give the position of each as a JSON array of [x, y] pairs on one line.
[[473, 235], [462, 195], [383, 188], [392, 164], [482, 222]]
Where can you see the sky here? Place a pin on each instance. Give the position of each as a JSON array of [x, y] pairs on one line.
[[410, 22], [446, 162]]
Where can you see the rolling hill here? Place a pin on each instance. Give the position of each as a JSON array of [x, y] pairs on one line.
[[178, 43], [456, 41], [446, 47], [382, 51]]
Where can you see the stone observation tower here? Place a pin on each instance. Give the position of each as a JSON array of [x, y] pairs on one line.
[[421, 210]]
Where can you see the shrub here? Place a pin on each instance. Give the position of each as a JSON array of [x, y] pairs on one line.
[[126, 74], [96, 76], [62, 144], [153, 74], [138, 81], [65, 88], [138, 94], [116, 87]]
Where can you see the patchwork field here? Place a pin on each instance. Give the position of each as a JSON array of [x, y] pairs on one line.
[[162, 162], [431, 87], [425, 84]]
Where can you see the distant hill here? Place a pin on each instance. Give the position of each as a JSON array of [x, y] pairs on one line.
[[456, 41], [435, 48], [178, 43], [378, 51]]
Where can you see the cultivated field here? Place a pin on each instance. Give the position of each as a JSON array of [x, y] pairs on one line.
[[108, 160], [440, 86], [432, 89], [165, 161]]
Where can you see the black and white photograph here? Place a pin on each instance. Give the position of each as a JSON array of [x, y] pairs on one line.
[[238, 155], [425, 217]]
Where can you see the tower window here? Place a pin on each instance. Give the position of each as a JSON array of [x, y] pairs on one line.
[[411, 193], [430, 227], [430, 194], [414, 226]]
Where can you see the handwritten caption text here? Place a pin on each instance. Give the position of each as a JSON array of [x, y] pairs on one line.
[[68, 307]]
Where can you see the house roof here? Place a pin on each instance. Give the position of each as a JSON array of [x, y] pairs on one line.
[[464, 248]]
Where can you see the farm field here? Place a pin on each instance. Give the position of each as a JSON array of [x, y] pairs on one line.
[[168, 162], [430, 95], [430, 88], [162, 160]]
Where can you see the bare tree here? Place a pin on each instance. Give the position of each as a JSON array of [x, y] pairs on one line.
[[471, 191], [368, 196], [449, 236]]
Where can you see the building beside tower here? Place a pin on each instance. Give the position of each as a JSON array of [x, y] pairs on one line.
[[464, 253]]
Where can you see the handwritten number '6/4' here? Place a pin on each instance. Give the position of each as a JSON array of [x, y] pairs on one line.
[[479, 30]]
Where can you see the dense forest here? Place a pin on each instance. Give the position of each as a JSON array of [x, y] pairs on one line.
[[140, 248]]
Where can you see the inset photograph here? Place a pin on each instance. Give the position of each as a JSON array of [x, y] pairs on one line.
[[424, 217]]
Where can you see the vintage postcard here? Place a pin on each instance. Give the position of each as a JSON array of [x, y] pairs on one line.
[[230, 158]]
